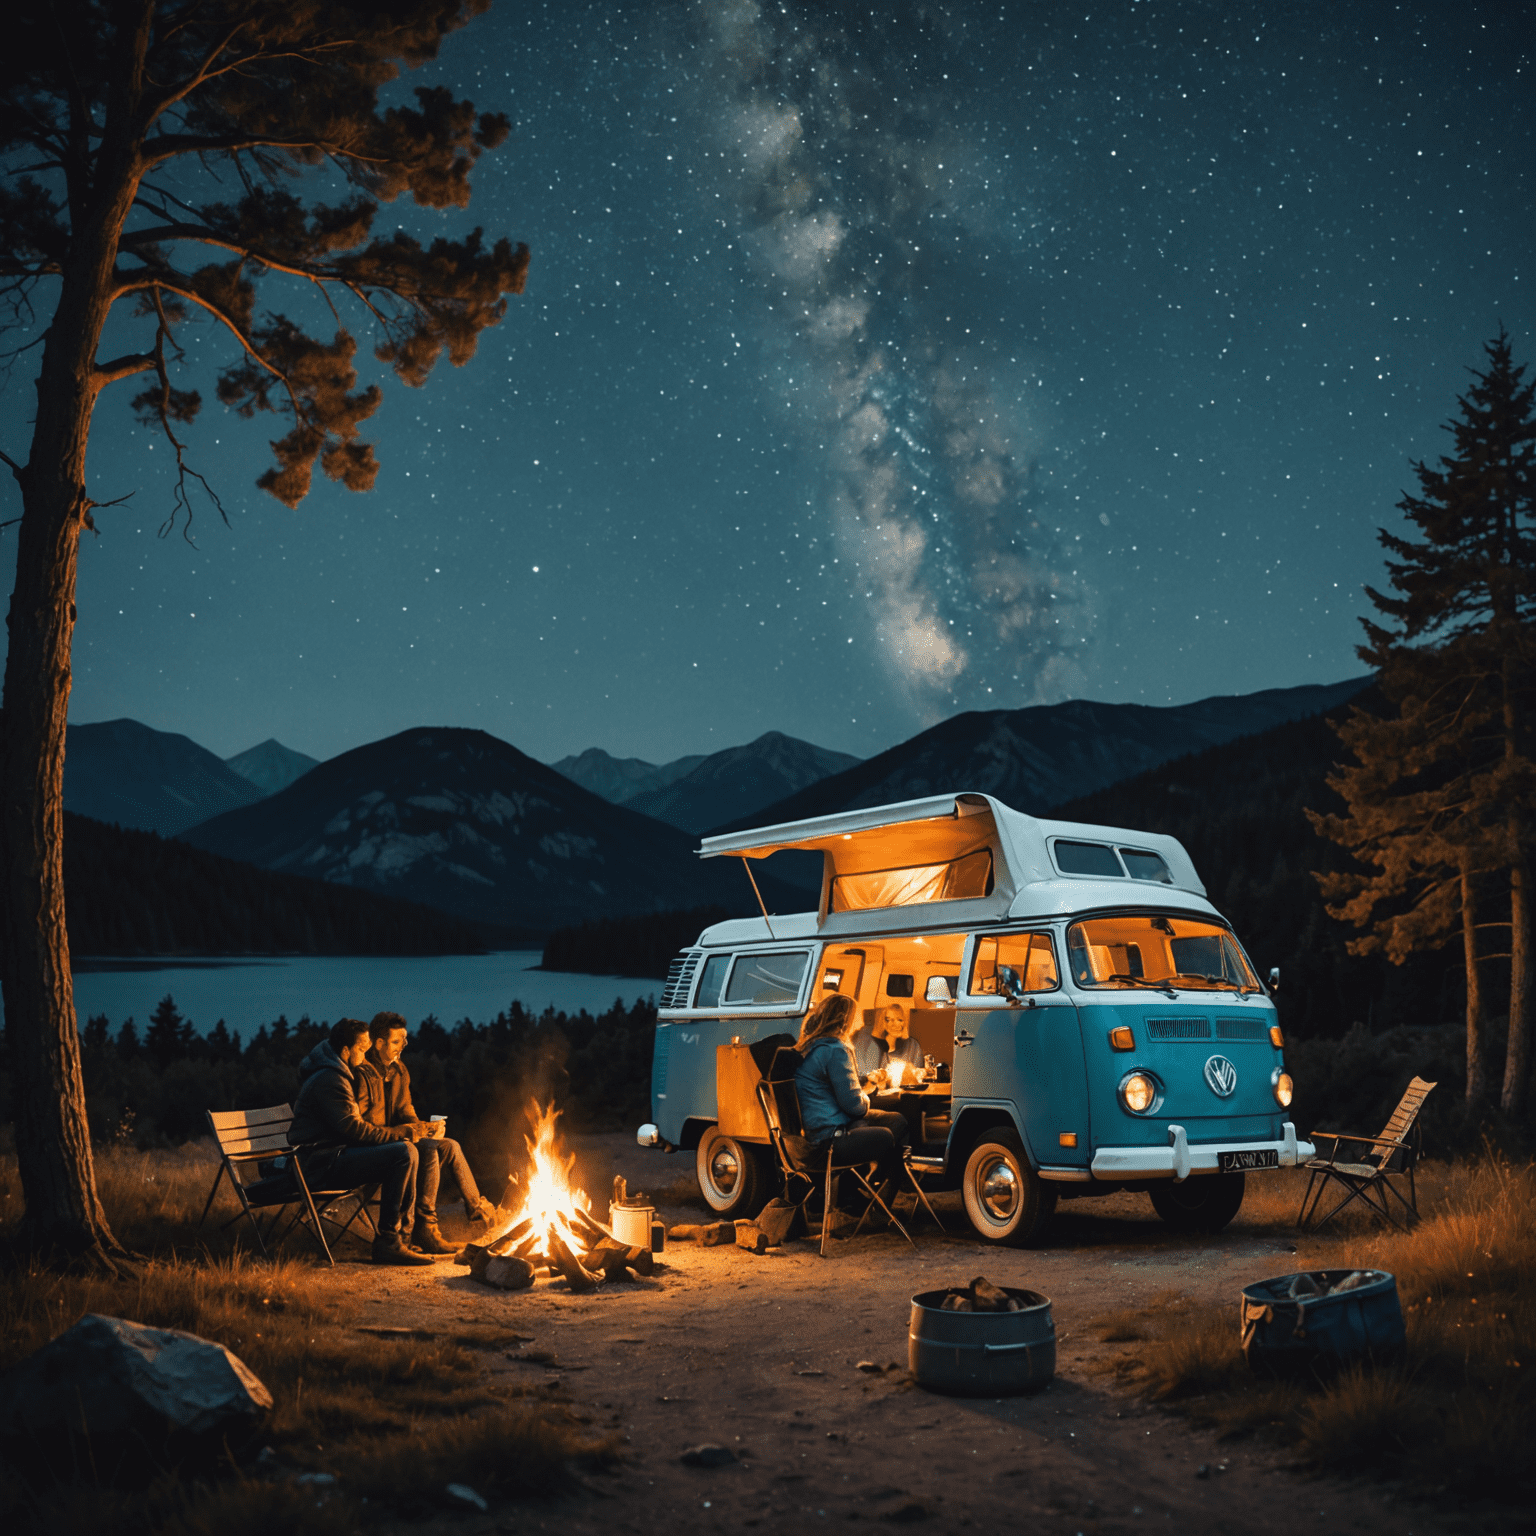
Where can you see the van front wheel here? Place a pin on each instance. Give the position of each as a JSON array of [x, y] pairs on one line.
[[1007, 1202], [732, 1174], [1204, 1204]]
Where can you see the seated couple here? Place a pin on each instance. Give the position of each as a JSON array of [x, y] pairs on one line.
[[355, 1118], [834, 1108]]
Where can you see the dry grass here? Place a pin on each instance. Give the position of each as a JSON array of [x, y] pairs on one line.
[[393, 1418], [1458, 1412]]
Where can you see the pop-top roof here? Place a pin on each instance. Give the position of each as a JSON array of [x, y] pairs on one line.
[[962, 858]]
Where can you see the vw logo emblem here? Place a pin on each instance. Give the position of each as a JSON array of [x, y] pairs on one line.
[[1221, 1075]]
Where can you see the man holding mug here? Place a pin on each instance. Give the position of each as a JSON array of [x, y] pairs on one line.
[[389, 1105]]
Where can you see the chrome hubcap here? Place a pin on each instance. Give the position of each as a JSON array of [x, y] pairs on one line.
[[998, 1187], [724, 1169]]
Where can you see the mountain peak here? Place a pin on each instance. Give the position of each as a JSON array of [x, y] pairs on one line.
[[271, 766]]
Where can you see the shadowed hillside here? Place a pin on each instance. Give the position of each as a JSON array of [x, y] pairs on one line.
[[133, 893], [466, 823], [1035, 758]]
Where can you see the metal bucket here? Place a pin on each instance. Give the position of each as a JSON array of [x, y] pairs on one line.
[[631, 1224], [981, 1354], [1286, 1337]]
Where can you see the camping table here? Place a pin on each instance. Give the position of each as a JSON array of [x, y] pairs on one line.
[[915, 1102]]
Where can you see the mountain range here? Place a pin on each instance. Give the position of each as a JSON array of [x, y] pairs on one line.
[[468, 824], [696, 793], [1037, 758], [617, 778], [156, 781], [465, 823]]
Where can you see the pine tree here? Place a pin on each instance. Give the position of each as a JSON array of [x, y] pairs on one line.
[[1441, 803], [157, 151]]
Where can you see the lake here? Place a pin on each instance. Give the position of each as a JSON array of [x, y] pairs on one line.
[[247, 992]]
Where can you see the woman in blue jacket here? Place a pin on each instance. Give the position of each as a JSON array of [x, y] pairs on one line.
[[834, 1109]]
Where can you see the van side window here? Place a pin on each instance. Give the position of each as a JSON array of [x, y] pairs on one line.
[[1141, 865], [772, 978], [1087, 859], [708, 995], [1030, 954], [900, 986]]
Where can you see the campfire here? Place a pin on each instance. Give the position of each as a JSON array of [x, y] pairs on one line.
[[551, 1230]]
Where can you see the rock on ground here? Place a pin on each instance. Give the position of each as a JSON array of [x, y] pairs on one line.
[[141, 1397]]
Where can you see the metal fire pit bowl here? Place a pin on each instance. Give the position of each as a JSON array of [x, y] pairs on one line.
[[1311, 1335], [982, 1354]]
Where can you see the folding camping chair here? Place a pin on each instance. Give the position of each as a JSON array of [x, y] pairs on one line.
[[257, 1136], [799, 1162], [1390, 1156]]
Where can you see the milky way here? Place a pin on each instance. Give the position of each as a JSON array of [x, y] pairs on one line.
[[876, 362], [862, 206]]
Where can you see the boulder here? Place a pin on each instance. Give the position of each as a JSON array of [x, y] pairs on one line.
[[128, 1400]]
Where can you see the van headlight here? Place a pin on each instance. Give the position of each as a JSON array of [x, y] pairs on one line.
[[1284, 1089], [1140, 1092]]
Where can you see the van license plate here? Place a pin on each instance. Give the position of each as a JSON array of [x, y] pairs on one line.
[[1236, 1162]]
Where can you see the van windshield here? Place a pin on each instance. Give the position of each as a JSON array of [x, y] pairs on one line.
[[1157, 951]]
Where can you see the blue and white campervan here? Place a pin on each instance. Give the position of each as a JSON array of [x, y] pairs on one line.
[[1094, 1023]]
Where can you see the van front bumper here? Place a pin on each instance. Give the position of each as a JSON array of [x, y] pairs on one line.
[[1178, 1160]]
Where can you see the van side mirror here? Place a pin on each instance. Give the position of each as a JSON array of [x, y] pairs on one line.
[[1274, 978], [1010, 984]]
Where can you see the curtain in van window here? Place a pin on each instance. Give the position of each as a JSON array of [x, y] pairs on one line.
[[916, 884]]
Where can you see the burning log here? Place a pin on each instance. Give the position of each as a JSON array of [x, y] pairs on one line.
[[588, 1226], [613, 1258], [751, 1237], [578, 1277], [518, 1243], [506, 1273]]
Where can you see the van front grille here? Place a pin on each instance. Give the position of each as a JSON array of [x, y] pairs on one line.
[[1179, 1029], [679, 982], [1241, 1029]]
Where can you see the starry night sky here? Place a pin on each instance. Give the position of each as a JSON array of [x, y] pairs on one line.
[[870, 368]]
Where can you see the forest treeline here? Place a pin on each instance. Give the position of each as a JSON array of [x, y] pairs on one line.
[[151, 1084], [135, 893]]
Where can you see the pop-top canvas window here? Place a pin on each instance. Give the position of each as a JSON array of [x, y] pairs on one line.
[[1141, 865], [954, 881], [773, 978], [1087, 859]]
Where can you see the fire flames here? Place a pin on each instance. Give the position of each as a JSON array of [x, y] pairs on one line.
[[550, 1196], [894, 1069]]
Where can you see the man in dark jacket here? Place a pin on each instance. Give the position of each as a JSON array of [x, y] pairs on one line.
[[389, 1105], [343, 1150]]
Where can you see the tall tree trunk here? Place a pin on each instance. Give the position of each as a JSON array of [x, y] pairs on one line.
[[1517, 1064], [53, 1146], [1477, 1067]]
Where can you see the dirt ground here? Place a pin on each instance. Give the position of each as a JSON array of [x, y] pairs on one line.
[[760, 1354]]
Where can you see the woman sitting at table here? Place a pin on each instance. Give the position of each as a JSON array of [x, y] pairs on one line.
[[875, 1045], [834, 1110]]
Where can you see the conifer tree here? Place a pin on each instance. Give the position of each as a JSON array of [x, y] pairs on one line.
[[1441, 803], [156, 154]]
